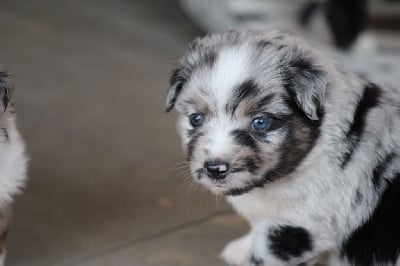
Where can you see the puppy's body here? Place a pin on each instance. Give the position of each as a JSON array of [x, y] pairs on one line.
[[307, 153], [12, 159]]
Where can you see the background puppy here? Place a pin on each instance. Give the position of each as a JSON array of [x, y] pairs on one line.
[[306, 152], [12, 159]]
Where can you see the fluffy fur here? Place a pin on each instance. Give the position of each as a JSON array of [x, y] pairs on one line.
[[319, 184], [12, 159]]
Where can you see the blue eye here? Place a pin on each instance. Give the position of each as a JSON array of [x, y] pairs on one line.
[[260, 123], [196, 119]]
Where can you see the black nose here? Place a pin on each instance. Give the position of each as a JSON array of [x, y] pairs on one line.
[[216, 169]]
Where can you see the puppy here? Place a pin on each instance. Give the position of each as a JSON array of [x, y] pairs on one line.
[[12, 159], [306, 152]]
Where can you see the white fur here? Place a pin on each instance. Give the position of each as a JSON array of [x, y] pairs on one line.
[[231, 69], [236, 252], [12, 162]]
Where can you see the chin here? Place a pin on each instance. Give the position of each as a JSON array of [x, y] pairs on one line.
[[219, 191], [215, 187], [231, 186]]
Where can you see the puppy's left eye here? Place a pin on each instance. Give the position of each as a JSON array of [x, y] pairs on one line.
[[260, 123], [196, 119]]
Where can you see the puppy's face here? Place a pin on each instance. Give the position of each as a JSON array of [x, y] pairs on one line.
[[249, 106]]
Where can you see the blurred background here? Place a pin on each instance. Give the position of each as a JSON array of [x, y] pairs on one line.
[[107, 183]]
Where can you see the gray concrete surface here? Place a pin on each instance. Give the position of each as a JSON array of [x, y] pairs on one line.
[[90, 83]]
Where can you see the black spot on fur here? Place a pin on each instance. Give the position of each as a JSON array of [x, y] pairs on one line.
[[358, 198], [287, 241], [243, 91], [243, 138], [263, 44], [379, 170], [377, 241], [368, 101], [4, 133], [250, 164], [256, 261]]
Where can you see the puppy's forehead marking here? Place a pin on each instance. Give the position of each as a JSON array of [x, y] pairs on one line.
[[220, 144], [230, 69]]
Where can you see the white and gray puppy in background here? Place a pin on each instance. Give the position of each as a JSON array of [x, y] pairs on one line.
[[306, 152], [13, 160]]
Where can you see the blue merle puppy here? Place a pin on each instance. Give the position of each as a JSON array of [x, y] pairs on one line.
[[307, 153]]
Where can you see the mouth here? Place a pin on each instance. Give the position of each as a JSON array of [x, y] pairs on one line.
[[231, 184]]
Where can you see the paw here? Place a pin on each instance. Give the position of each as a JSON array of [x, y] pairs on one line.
[[236, 252]]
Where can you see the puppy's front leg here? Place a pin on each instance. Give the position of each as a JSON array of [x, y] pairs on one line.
[[236, 252], [285, 244]]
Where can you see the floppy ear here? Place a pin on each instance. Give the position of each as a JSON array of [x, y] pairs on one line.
[[6, 89], [176, 83], [306, 83]]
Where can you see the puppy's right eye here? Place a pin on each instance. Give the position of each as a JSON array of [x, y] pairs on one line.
[[260, 123], [196, 119]]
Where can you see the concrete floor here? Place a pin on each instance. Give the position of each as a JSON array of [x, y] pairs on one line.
[[104, 188]]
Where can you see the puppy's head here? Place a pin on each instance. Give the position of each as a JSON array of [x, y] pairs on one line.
[[250, 106]]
